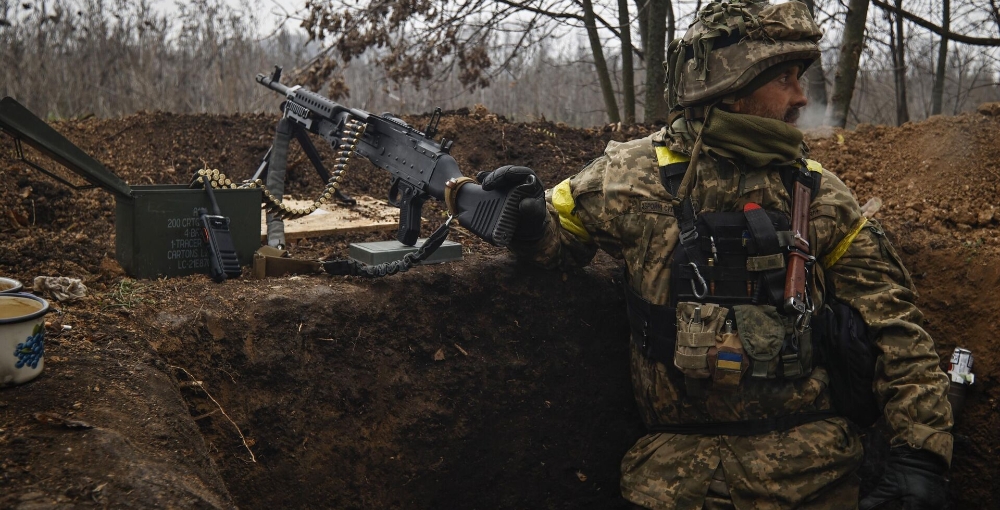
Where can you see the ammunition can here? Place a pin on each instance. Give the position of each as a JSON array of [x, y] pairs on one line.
[[158, 231]]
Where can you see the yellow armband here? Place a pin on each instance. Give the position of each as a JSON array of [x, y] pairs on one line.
[[565, 206], [838, 251]]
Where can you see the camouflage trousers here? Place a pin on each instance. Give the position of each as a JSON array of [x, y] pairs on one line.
[[808, 467]]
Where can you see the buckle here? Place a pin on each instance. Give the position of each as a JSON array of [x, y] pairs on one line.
[[688, 236]]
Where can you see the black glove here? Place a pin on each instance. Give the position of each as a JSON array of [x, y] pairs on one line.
[[914, 477], [532, 215]]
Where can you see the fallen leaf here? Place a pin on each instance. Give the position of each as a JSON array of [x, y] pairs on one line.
[[439, 355], [581, 476]]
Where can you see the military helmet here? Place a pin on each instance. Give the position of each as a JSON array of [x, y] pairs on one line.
[[731, 43]]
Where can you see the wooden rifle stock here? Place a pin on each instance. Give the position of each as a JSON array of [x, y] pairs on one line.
[[798, 257]]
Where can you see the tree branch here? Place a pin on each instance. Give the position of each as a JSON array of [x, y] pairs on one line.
[[975, 41], [612, 28]]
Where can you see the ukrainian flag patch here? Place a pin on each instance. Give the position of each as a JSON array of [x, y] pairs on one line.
[[729, 361]]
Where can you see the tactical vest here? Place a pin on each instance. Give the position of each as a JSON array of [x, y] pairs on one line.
[[725, 317]]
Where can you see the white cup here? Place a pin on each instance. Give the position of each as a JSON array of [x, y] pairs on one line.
[[22, 337], [8, 285]]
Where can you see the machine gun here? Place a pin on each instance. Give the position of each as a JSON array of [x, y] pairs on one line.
[[420, 167]]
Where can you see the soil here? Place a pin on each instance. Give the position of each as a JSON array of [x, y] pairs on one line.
[[475, 384]]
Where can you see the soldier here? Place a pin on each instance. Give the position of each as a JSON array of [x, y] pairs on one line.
[[725, 361]]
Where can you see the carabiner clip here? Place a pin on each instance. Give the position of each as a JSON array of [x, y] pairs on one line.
[[802, 322], [695, 283]]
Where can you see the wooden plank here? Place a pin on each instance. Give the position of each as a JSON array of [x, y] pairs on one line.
[[368, 215]]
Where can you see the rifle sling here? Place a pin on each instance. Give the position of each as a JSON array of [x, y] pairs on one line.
[[276, 179]]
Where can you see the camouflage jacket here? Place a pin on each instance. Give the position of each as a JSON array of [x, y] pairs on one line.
[[618, 204]]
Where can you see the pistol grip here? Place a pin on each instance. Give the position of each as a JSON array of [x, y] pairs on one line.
[[410, 203]]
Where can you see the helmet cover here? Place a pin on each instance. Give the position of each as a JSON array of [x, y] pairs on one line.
[[731, 43]]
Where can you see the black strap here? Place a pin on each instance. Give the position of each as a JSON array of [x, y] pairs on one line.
[[744, 428], [802, 174], [671, 176], [765, 237], [686, 219], [654, 327], [765, 242]]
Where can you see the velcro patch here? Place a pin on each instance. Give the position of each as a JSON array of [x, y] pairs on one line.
[[656, 206], [729, 360]]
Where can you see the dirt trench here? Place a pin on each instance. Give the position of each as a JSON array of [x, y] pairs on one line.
[[476, 384], [459, 386]]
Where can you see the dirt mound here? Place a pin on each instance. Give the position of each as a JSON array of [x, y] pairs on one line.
[[480, 384]]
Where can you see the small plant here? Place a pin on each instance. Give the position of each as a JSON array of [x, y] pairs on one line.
[[125, 295], [974, 245]]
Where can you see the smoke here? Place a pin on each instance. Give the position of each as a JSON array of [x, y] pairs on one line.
[[813, 115]]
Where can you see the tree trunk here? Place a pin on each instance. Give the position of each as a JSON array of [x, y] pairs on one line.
[[610, 103], [655, 45], [671, 22], [642, 12], [815, 75], [937, 94], [628, 68], [847, 65], [902, 109]]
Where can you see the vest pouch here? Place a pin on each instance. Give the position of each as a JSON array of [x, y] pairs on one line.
[[698, 327], [762, 331], [798, 361], [728, 362]]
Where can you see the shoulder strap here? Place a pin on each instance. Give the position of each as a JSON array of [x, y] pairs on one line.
[[810, 174], [672, 167]]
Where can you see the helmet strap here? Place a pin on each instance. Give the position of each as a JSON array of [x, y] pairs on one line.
[[692, 114]]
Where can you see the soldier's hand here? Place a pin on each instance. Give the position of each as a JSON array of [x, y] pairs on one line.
[[913, 477], [532, 215]]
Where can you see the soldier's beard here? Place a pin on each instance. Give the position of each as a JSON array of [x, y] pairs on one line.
[[750, 106]]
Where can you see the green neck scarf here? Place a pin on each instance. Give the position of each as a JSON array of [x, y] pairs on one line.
[[757, 140]]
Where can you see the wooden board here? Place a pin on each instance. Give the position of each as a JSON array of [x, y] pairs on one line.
[[368, 215]]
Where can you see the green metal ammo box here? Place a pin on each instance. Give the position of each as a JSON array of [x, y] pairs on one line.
[[158, 232]]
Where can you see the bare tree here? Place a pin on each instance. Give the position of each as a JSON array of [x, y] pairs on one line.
[[109, 58], [952, 35], [659, 13], [937, 95], [847, 65], [815, 76], [897, 43], [610, 103], [628, 68]]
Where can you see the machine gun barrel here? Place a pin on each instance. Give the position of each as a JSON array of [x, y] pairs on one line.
[[307, 99], [273, 84]]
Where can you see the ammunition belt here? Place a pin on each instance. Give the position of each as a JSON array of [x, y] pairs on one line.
[[345, 149]]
